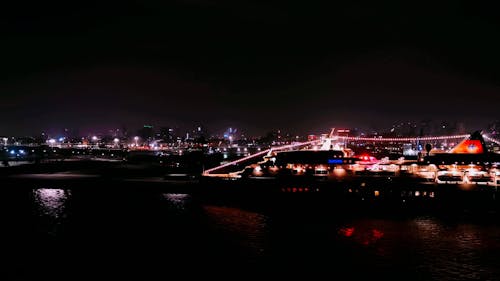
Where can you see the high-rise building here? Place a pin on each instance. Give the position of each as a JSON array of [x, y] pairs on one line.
[[167, 134], [200, 134], [146, 133]]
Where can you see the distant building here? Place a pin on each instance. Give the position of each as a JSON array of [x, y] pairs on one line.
[[230, 134], [167, 134], [200, 134], [146, 133]]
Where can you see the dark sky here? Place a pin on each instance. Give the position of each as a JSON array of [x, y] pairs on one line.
[[253, 65]]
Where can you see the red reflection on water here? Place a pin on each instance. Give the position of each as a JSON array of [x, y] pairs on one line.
[[372, 237], [362, 236], [377, 234], [347, 231]]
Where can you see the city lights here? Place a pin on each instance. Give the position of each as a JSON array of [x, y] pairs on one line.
[[414, 139]]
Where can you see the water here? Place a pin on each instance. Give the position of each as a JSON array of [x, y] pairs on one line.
[[51, 233]]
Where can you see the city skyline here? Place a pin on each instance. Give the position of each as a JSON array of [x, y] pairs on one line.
[[152, 132], [233, 139], [250, 65]]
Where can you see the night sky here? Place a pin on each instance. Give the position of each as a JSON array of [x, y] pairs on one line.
[[252, 65]]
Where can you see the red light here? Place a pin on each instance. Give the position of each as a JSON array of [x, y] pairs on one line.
[[347, 231], [377, 234]]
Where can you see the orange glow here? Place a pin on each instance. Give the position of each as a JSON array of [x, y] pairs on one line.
[[469, 146], [339, 172]]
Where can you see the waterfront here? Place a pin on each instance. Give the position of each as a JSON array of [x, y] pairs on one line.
[[215, 140], [55, 231]]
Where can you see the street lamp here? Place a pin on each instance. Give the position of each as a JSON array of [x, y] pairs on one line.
[[136, 139], [52, 142], [116, 141]]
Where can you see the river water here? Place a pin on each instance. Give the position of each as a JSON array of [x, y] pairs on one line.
[[58, 232]]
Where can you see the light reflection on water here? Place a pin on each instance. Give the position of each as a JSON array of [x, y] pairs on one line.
[[51, 208], [362, 235], [178, 200], [436, 249], [51, 202], [249, 229], [452, 250], [430, 247]]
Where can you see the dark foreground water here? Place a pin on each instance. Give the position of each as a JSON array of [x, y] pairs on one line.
[[56, 232]]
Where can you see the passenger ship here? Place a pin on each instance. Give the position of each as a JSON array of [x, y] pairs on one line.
[[332, 170]]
